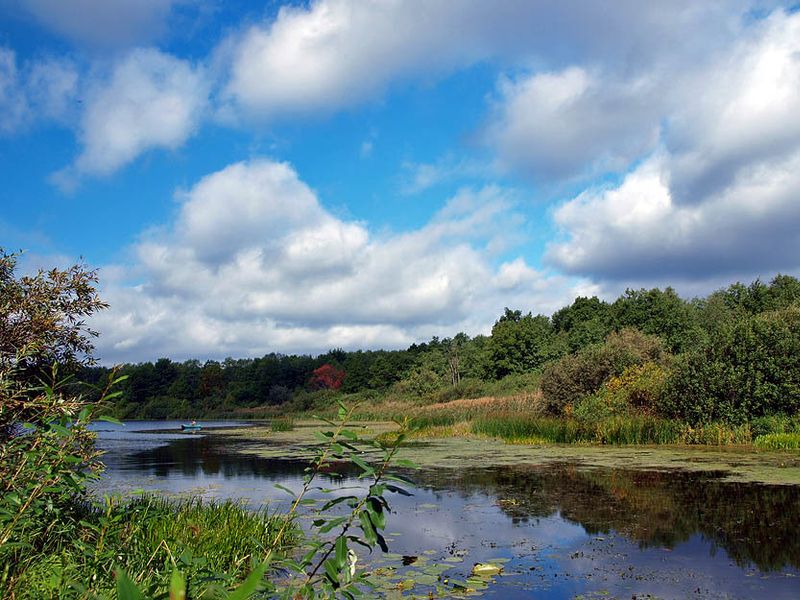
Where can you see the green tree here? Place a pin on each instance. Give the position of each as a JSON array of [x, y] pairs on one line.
[[43, 316], [748, 370], [658, 312], [521, 343]]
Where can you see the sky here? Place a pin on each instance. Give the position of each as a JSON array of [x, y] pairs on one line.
[[253, 177]]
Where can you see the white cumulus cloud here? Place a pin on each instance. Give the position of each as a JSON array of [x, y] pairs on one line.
[[35, 91], [563, 124], [718, 200], [254, 263], [149, 100], [637, 233], [336, 53]]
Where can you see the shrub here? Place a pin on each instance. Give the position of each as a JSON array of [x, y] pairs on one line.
[[774, 424], [749, 370], [422, 383], [638, 386], [572, 377], [596, 407]]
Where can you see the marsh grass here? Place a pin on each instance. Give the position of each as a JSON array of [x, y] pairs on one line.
[[620, 430], [522, 419], [778, 441], [282, 424], [147, 538]]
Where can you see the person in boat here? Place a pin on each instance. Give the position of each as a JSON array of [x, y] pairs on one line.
[[194, 423]]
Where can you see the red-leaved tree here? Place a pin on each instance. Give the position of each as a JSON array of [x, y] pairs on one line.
[[327, 377]]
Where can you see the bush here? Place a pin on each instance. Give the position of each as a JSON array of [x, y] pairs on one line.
[[749, 370], [638, 386], [572, 377], [599, 406], [774, 424]]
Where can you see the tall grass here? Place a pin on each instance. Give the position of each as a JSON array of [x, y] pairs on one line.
[[621, 430], [147, 538], [778, 441], [616, 430], [282, 424]]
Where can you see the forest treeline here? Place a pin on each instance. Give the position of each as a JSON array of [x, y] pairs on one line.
[[740, 340]]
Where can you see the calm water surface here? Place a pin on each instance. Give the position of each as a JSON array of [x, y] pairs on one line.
[[566, 531]]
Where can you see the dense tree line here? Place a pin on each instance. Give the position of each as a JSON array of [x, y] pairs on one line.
[[519, 344]]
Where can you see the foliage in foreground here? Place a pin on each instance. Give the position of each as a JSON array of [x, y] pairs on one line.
[[149, 538], [55, 540]]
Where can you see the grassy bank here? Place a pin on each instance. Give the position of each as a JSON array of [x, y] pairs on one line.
[[522, 418], [147, 538]]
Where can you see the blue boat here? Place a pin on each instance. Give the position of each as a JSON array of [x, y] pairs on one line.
[[191, 427]]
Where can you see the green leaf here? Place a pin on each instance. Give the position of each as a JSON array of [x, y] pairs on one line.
[[60, 429], [398, 490], [341, 552], [126, 589], [335, 501], [250, 585], [335, 522], [367, 470], [177, 586], [375, 510], [285, 489], [320, 435], [398, 478], [331, 572], [368, 529], [350, 435]]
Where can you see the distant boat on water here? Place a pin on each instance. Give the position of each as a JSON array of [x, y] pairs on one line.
[[193, 426]]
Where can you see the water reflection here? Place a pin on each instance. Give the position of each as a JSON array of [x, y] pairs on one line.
[[210, 456], [755, 524], [150, 456]]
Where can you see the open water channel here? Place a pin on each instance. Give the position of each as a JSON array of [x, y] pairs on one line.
[[561, 530]]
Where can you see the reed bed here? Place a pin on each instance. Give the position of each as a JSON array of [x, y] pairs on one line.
[[778, 441], [622, 430], [282, 424]]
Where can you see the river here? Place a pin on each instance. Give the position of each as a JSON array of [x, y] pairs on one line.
[[560, 530]]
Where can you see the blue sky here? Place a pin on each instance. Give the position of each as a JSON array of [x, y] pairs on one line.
[[355, 173]]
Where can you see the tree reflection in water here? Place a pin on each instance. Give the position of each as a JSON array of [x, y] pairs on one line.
[[755, 524]]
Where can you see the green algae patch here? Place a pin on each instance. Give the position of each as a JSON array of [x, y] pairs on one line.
[[733, 463]]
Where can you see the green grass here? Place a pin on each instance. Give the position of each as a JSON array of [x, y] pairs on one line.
[[778, 441], [616, 430], [282, 424], [620, 430], [146, 538]]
